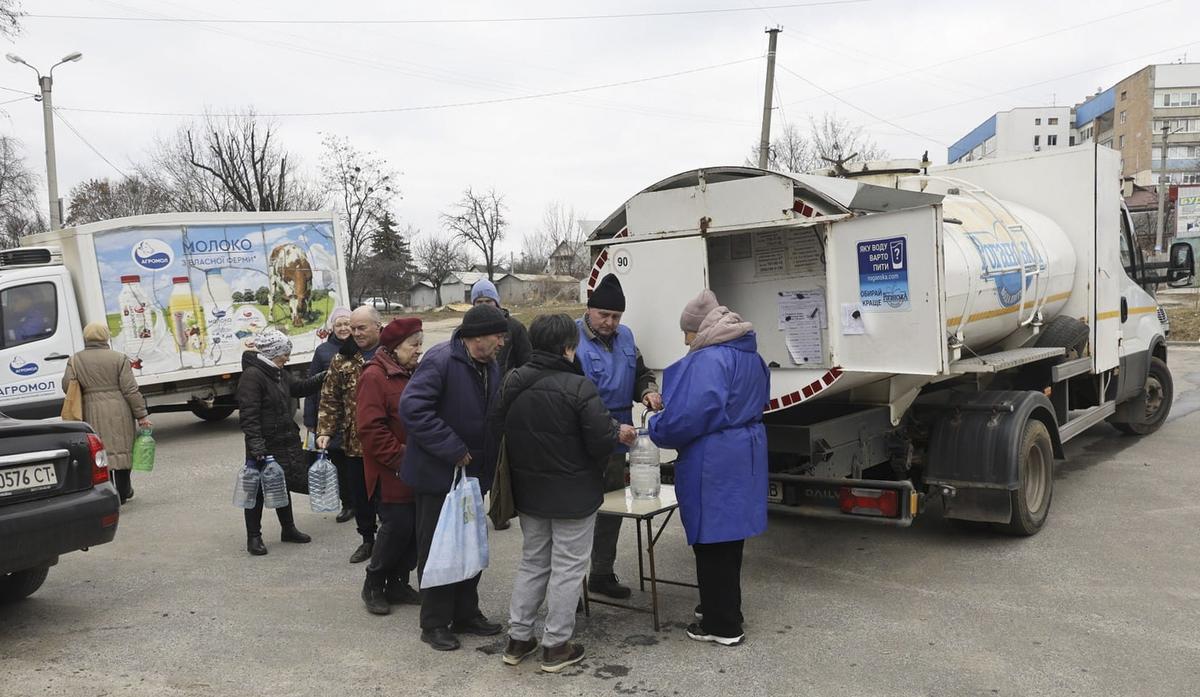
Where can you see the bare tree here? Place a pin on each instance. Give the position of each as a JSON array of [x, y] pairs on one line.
[[436, 256], [245, 155], [479, 219], [830, 140], [101, 199], [362, 186], [188, 188], [10, 18], [20, 212]]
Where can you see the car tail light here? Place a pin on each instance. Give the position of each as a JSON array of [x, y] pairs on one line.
[[872, 502], [99, 459]]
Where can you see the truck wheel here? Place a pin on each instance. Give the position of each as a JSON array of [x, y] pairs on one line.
[[22, 584], [1035, 481], [1067, 332], [215, 413], [1158, 393]]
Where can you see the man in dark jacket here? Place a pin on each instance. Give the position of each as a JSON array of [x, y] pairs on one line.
[[611, 359], [339, 333], [444, 409], [559, 436], [265, 393], [516, 350]]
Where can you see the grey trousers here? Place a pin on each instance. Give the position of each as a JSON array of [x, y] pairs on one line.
[[608, 527], [553, 562]]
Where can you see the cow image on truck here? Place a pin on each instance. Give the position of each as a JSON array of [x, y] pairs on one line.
[[183, 295], [936, 332]]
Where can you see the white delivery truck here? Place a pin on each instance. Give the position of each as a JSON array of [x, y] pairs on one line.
[[182, 294], [930, 333]]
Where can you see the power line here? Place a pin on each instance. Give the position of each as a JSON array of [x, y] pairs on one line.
[[18, 99], [922, 136], [429, 107], [483, 20], [993, 49], [87, 143], [13, 89]]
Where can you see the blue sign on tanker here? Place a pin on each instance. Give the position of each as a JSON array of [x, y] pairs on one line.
[[883, 275]]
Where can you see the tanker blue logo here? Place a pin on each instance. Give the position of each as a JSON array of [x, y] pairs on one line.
[[20, 367], [1002, 263], [153, 254], [883, 275]]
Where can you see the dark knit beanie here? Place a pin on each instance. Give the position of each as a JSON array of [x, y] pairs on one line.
[[608, 295], [398, 330], [482, 320]]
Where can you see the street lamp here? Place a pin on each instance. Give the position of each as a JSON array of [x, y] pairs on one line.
[[45, 82]]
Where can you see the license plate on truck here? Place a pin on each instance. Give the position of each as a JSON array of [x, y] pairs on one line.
[[27, 478]]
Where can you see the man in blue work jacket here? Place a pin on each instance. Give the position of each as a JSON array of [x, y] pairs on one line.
[[609, 358]]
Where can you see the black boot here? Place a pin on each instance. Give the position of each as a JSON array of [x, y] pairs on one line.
[[374, 597], [292, 534], [399, 592], [608, 584], [346, 514], [255, 546]]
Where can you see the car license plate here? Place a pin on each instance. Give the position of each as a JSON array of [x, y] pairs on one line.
[[27, 478], [775, 492]]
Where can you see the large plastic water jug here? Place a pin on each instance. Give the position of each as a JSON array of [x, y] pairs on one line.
[[143, 451], [645, 476], [323, 494], [245, 489], [274, 485]]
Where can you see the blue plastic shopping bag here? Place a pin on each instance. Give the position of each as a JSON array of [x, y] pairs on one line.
[[460, 548]]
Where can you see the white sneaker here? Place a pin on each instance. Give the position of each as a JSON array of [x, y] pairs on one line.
[[695, 631]]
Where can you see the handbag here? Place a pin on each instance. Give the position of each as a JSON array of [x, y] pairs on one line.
[[459, 549], [501, 507], [72, 408]]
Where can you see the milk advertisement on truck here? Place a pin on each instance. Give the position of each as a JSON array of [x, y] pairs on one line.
[[182, 294], [195, 296]]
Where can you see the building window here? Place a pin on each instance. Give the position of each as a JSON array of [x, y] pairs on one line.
[[1122, 95], [1052, 140], [1072, 140], [1122, 117], [1121, 142], [1037, 140], [1052, 121], [1037, 121], [1191, 178]]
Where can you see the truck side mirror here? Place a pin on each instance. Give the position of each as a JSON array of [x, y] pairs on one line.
[[1182, 266]]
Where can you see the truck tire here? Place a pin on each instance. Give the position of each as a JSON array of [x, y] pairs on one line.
[[22, 584], [1159, 393], [216, 412], [1065, 332], [1035, 481]]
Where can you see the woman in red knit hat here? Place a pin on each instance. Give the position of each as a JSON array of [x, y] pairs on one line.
[[383, 441]]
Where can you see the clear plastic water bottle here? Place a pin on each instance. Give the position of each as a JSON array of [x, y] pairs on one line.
[[645, 476], [274, 485], [245, 489], [323, 494]]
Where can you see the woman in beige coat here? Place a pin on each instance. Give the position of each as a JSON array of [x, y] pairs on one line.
[[111, 401]]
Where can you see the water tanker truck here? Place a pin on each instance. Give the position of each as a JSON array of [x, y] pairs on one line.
[[931, 332]]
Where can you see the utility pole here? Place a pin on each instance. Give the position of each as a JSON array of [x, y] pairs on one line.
[[1163, 183], [45, 83], [764, 141]]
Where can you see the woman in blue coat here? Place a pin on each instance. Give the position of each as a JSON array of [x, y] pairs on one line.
[[712, 415]]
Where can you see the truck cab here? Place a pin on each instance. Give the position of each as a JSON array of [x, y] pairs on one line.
[[40, 330]]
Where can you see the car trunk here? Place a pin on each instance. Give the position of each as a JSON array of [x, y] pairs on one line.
[[28, 457]]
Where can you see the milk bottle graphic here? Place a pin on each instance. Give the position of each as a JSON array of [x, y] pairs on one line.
[[186, 316], [217, 301], [137, 322]]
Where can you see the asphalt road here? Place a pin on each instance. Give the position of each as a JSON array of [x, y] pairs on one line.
[[1104, 601]]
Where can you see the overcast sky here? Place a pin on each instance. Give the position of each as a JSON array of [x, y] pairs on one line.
[[915, 75]]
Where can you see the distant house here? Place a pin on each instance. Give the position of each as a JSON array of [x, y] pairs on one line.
[[528, 288], [422, 294], [573, 258], [457, 286]]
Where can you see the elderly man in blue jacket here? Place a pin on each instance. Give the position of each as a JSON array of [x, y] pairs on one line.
[[610, 359], [444, 409]]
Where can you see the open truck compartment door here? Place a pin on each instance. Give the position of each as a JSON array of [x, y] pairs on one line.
[[886, 313]]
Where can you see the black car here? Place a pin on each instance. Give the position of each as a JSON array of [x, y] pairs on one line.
[[55, 497]]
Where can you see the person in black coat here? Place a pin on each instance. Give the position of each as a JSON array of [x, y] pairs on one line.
[[265, 408], [558, 437]]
